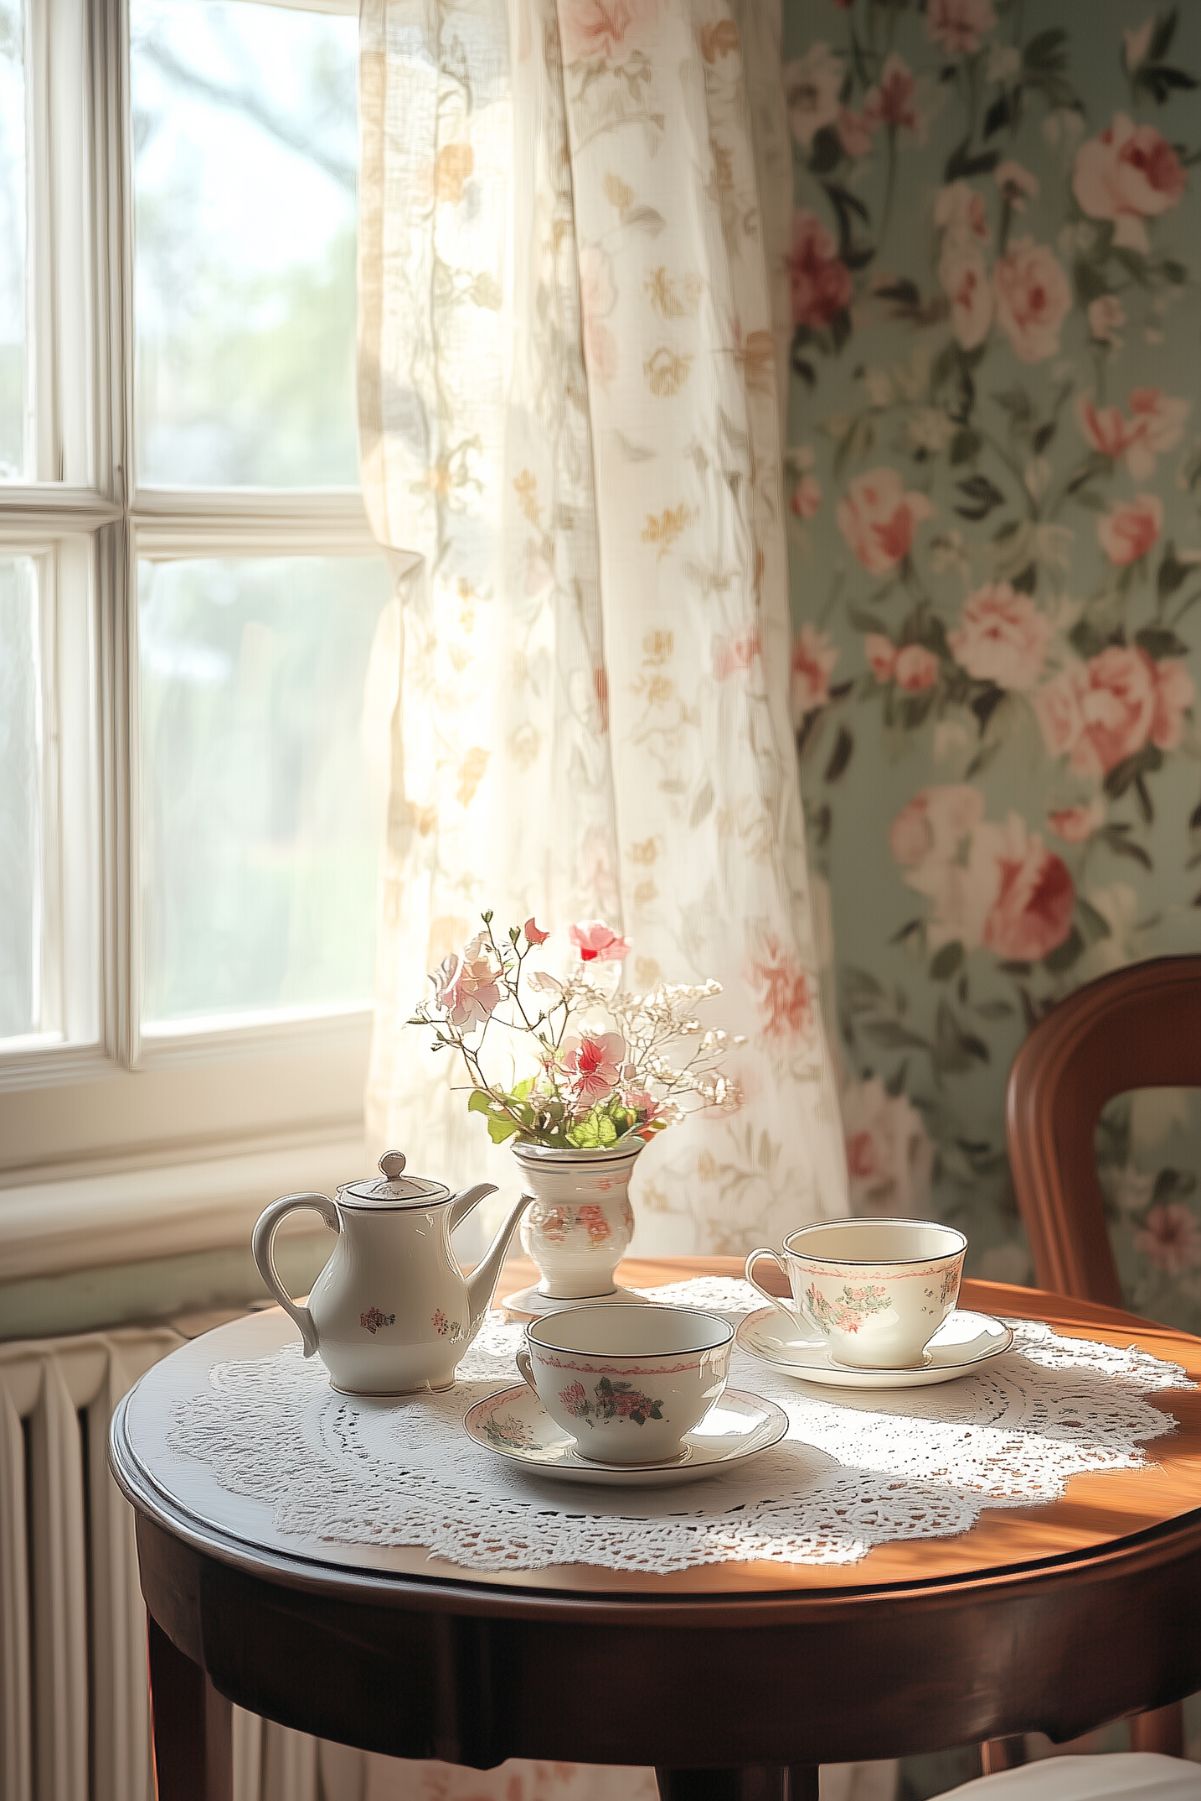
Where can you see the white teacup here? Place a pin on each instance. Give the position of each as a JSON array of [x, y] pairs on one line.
[[876, 1289], [627, 1381]]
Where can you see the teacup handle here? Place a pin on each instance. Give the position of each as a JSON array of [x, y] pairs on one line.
[[775, 1299], [262, 1245], [526, 1370]]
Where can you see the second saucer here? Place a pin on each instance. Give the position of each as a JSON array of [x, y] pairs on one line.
[[514, 1424], [963, 1343]]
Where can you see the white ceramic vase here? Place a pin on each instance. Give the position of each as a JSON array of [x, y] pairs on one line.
[[580, 1223]]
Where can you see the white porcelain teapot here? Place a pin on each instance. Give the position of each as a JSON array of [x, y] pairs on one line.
[[391, 1313]]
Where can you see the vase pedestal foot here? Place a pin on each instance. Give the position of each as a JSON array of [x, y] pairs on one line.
[[532, 1304]]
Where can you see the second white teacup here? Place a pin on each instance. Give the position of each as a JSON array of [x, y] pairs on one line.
[[627, 1381], [876, 1289]]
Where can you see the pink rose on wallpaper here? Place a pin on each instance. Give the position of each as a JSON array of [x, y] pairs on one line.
[[1001, 637], [819, 280], [1130, 529], [812, 90], [881, 655], [1170, 1237], [1017, 184], [600, 28], [893, 100], [784, 999], [1100, 712], [889, 1153], [1105, 428], [1156, 426], [813, 659], [806, 497], [1075, 825], [963, 277], [960, 213], [1106, 317], [879, 517], [1175, 695], [1128, 175], [916, 669], [1031, 913], [734, 656], [959, 26], [1033, 298], [597, 298], [931, 827]]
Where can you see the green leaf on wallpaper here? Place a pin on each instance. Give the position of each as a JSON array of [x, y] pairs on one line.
[[1172, 573], [1194, 818], [840, 756], [891, 1035], [1065, 954], [826, 151], [1162, 35], [946, 961], [1158, 641], [1047, 50], [1090, 280], [1115, 837], [1095, 923], [965, 445], [993, 1009], [962, 163], [863, 621], [999, 114], [980, 497]]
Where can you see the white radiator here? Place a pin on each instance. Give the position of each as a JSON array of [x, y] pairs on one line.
[[74, 1720]]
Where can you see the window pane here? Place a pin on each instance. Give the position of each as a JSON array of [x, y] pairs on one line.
[[259, 822], [20, 800], [12, 241], [245, 147]]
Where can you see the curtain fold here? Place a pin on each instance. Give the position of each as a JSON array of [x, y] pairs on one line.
[[573, 327]]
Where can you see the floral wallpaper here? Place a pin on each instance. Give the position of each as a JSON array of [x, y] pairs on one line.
[[995, 486]]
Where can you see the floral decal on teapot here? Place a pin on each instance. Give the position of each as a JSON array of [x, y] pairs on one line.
[[848, 1312], [610, 1401], [446, 1328], [374, 1318]]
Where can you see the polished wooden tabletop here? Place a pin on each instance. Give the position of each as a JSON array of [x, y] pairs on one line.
[[737, 1679]]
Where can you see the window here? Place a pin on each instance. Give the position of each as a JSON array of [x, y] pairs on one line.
[[192, 608]]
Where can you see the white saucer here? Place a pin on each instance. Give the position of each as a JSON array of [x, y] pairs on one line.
[[514, 1424], [963, 1343], [532, 1301]]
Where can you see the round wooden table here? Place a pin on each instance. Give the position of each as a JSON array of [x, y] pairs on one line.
[[734, 1681]]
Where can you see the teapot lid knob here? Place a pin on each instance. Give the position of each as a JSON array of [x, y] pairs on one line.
[[392, 1165]]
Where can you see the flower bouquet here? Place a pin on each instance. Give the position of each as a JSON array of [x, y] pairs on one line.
[[604, 1070]]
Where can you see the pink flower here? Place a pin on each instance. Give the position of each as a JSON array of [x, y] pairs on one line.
[[878, 518], [1106, 317], [783, 996], [1035, 896], [959, 25], [599, 28], [916, 668], [1129, 529], [593, 1063], [1128, 175], [467, 986], [1001, 637], [1033, 298], [960, 213], [963, 277], [1157, 425], [881, 655], [1170, 1237], [732, 656], [1175, 693], [597, 942], [892, 101], [1077, 824], [1100, 712], [889, 1154], [532, 933], [1016, 184], [812, 86], [820, 281], [806, 497], [597, 299], [933, 825], [813, 658], [1105, 429]]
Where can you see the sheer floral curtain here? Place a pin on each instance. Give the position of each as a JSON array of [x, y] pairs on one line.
[[573, 320], [573, 312]]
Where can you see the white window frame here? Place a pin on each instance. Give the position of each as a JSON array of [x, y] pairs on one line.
[[208, 1106]]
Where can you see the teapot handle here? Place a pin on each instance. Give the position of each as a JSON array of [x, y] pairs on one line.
[[261, 1244]]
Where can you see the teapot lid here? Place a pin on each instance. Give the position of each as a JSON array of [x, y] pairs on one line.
[[393, 1188]]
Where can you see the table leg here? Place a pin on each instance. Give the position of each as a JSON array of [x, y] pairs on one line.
[[193, 1746], [753, 1782]]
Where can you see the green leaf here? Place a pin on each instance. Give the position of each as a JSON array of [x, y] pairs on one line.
[[840, 756], [500, 1127], [479, 1101], [1172, 573], [1065, 954], [946, 961]]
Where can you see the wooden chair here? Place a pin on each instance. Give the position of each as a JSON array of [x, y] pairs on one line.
[[1137, 1028]]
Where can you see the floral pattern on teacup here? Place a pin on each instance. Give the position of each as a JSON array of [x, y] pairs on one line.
[[610, 1401], [848, 1312], [507, 1431], [374, 1318]]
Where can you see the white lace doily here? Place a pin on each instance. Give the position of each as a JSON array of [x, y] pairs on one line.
[[856, 1470]]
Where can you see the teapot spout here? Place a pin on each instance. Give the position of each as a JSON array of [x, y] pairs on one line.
[[481, 1284]]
